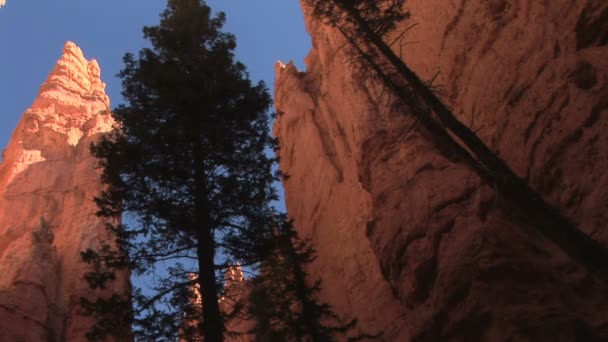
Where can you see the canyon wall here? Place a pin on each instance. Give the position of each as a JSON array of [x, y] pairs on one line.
[[410, 240], [47, 216]]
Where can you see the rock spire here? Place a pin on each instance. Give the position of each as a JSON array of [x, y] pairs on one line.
[[47, 217]]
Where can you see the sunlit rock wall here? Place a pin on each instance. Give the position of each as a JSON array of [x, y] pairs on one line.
[[410, 241]]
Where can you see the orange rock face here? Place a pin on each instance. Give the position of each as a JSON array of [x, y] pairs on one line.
[[47, 217], [412, 242]]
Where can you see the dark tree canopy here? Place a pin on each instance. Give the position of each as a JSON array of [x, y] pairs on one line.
[[382, 17], [191, 170], [284, 301]]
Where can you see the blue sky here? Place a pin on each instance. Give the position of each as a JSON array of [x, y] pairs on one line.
[[33, 32]]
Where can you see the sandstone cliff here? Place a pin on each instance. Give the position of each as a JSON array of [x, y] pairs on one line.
[[47, 217], [412, 242]]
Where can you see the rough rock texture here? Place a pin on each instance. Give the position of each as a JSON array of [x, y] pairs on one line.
[[410, 241], [47, 217], [236, 290]]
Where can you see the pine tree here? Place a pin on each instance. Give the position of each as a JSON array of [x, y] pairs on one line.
[[189, 167], [284, 301]]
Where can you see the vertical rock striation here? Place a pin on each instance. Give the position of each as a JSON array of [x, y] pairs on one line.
[[410, 240], [47, 216]]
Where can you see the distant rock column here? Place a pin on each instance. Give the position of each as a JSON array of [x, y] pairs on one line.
[[47, 216]]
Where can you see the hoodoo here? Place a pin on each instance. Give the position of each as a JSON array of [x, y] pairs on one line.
[[47, 216], [409, 239]]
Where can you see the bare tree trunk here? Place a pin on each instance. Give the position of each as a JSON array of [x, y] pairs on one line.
[[211, 327]]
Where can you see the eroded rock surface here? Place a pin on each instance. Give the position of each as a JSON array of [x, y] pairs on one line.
[[47, 217], [410, 241]]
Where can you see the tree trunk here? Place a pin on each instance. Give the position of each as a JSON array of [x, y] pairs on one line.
[[212, 326]]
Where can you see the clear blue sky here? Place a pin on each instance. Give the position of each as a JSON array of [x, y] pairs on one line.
[[33, 32]]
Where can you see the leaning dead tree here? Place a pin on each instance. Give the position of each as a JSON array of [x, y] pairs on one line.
[[366, 26]]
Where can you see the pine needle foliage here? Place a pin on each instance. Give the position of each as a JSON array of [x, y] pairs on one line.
[[284, 300], [190, 169]]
